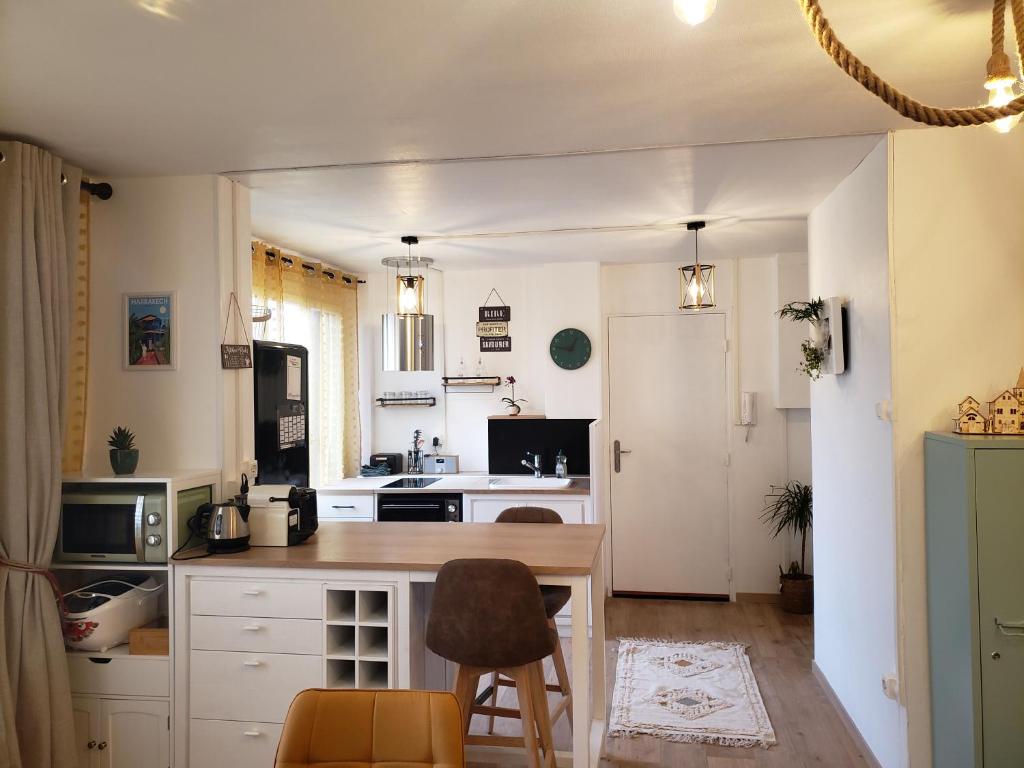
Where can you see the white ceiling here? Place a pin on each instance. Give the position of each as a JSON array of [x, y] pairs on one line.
[[231, 85], [242, 84], [355, 216]]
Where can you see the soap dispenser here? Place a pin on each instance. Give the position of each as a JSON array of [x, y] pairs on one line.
[[561, 464]]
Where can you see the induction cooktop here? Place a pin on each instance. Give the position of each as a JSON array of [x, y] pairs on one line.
[[412, 482]]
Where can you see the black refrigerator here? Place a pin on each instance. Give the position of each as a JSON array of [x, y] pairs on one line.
[[281, 398]]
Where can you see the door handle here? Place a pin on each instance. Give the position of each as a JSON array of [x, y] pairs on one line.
[[101, 745], [619, 450], [91, 744], [252, 627], [252, 663], [1011, 628]]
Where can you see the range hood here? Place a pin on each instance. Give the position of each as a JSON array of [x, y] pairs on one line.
[[407, 335]]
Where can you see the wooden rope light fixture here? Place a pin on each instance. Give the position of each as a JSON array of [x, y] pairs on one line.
[[1000, 81], [1004, 107]]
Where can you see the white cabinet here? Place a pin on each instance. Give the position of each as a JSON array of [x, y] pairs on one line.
[[332, 505], [122, 733], [86, 714], [221, 743], [485, 508]]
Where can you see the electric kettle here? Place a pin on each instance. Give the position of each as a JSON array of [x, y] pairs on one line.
[[226, 526]]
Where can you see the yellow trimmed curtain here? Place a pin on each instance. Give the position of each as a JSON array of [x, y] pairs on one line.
[[315, 305], [78, 343]]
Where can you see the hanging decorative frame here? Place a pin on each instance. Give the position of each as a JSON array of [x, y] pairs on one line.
[[235, 356], [149, 332], [492, 325]]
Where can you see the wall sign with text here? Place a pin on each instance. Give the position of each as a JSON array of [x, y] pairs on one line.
[[492, 325], [496, 344]]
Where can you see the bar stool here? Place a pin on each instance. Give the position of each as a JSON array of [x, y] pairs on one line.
[[555, 598], [489, 615]]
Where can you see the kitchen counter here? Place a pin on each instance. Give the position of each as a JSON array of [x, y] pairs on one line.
[[563, 549], [463, 483]]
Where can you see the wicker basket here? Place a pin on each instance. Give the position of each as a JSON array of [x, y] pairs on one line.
[[798, 593]]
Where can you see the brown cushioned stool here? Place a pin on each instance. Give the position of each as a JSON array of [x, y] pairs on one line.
[[555, 598], [489, 615]]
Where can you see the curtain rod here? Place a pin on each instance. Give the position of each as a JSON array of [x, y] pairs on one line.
[[100, 189]]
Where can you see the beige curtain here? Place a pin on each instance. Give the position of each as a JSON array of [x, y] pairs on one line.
[[38, 221], [290, 288]]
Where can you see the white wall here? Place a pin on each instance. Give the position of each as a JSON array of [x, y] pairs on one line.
[[958, 273], [185, 234], [855, 631], [544, 299], [749, 304]]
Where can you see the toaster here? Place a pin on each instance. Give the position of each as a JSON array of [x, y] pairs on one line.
[[393, 460], [281, 515]]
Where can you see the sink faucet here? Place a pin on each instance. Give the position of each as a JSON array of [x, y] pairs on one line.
[[535, 466]]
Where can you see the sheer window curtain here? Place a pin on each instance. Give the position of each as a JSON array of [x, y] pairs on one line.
[[316, 306], [38, 225]]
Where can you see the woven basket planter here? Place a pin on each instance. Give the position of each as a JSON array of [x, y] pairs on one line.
[[798, 594]]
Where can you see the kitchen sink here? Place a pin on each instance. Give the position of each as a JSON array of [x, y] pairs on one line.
[[530, 482]]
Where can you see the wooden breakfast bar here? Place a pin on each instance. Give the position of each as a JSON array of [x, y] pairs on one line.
[[341, 611]]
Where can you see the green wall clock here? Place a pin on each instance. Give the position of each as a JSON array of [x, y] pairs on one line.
[[570, 348]]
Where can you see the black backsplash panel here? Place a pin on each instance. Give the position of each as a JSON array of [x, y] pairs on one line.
[[509, 440]]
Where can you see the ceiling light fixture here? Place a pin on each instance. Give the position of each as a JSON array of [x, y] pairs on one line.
[[1011, 107], [407, 335], [694, 12], [697, 283], [1002, 110]]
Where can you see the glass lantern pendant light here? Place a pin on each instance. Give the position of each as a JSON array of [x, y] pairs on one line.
[[697, 283], [407, 335]]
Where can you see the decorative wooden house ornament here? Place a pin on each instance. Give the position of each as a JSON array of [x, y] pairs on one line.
[[1005, 413]]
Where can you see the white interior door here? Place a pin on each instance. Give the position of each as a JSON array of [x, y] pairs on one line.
[[668, 412]]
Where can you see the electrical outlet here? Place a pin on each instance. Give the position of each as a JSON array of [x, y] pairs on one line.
[[883, 410], [250, 468], [891, 687]]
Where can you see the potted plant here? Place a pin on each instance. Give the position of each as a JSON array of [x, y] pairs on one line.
[[813, 348], [511, 402], [790, 508], [124, 456]]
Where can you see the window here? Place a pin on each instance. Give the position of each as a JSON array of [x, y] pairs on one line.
[[315, 306]]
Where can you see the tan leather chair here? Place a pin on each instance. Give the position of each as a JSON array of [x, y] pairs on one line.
[[361, 729]]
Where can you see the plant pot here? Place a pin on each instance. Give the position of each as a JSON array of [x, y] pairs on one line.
[[798, 593], [513, 410], [124, 460]]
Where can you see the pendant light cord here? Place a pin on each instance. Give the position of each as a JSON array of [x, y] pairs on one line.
[[906, 106]]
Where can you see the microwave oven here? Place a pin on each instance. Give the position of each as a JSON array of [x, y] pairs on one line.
[[113, 526]]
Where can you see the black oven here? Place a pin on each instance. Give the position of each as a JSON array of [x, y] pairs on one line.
[[419, 507]]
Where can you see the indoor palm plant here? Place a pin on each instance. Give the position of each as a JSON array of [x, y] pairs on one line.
[[790, 508], [124, 456], [813, 348]]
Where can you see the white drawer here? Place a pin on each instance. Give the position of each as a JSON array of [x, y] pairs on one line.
[[126, 676], [226, 685], [486, 510], [276, 599], [231, 633], [336, 506], [218, 743]]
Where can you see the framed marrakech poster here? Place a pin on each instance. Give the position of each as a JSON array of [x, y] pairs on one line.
[[150, 343]]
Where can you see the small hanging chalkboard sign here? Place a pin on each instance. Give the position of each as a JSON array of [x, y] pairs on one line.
[[500, 313], [496, 344], [495, 314], [235, 356]]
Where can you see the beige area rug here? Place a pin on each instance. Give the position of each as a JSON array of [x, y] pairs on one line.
[[688, 692]]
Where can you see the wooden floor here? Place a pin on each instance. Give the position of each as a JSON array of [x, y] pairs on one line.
[[808, 729]]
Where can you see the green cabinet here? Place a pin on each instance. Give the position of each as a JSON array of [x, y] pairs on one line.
[[974, 488]]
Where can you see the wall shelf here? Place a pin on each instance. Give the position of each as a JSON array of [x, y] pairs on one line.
[[391, 402], [470, 383]]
